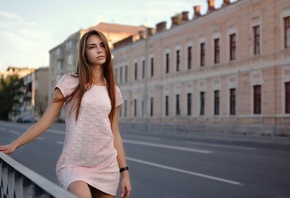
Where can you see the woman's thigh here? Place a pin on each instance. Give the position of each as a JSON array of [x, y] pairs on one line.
[[80, 189], [99, 194]]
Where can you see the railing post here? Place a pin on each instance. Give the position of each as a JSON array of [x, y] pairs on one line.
[[17, 181]]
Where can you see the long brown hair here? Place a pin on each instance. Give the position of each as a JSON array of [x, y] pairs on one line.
[[85, 74]]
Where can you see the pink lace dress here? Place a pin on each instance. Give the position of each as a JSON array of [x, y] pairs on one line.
[[88, 153]]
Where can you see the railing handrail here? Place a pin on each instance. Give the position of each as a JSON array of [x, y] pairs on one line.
[[46, 186]]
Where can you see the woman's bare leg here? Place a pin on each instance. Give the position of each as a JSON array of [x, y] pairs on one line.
[[99, 194], [80, 189]]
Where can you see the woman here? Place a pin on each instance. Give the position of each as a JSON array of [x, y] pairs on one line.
[[93, 154]]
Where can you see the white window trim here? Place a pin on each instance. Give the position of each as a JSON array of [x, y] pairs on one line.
[[254, 82], [215, 87], [285, 13], [253, 24], [216, 35], [178, 47], [231, 30], [231, 85], [166, 51], [188, 44], [285, 79], [202, 40]]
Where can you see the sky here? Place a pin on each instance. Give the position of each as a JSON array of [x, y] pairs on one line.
[[30, 28]]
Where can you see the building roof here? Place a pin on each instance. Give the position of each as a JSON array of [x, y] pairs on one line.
[[113, 27]]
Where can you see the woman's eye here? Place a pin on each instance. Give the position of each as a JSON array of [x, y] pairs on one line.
[[91, 47]]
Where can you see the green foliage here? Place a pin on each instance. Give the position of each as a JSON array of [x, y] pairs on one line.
[[10, 93]]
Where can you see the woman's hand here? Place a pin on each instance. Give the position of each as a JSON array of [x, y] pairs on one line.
[[125, 187], [7, 149]]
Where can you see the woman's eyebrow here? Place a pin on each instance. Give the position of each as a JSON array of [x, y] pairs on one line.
[[92, 44]]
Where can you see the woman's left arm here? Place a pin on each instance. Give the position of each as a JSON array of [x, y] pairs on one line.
[[121, 157]]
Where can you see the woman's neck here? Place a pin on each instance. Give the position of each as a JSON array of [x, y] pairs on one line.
[[98, 77]]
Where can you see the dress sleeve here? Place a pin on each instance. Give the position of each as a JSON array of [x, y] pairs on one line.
[[119, 99], [62, 85]]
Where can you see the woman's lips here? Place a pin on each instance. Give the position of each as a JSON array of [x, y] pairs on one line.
[[100, 57]]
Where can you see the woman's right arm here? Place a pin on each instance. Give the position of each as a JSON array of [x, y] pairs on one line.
[[39, 127]]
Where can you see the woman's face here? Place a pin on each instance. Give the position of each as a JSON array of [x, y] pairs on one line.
[[95, 51]]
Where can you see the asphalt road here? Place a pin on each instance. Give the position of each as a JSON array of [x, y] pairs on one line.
[[163, 166]]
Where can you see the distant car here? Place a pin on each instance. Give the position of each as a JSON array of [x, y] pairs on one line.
[[26, 119]]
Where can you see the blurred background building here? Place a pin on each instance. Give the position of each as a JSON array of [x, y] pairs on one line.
[[34, 100], [230, 65]]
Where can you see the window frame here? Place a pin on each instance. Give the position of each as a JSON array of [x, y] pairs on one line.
[[286, 30], [257, 99], [233, 46], [256, 40]]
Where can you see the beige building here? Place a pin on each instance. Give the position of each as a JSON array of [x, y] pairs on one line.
[[34, 101], [63, 57], [230, 65]]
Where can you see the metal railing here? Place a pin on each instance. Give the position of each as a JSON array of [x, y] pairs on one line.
[[17, 181]]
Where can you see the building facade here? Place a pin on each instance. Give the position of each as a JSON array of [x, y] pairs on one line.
[[230, 65], [34, 100]]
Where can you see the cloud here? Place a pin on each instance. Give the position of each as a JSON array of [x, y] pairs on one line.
[[21, 39]]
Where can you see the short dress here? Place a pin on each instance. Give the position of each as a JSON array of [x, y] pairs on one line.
[[88, 152]]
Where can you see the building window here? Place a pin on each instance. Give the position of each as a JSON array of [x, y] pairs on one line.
[[256, 32], [177, 60], [287, 31], [125, 108], [167, 63], [257, 99], [202, 103], [135, 108], [216, 50], [136, 71], [189, 57], [126, 73], [233, 101], [287, 97], [189, 104], [216, 102], [120, 111], [151, 106], [143, 69], [166, 105], [152, 67], [121, 74], [177, 105], [116, 73], [143, 108], [59, 64], [70, 59], [202, 54], [233, 47]]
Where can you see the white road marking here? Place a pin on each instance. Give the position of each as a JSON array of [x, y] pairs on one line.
[[40, 138], [167, 146], [14, 132], [55, 131], [223, 146], [145, 137], [59, 142], [184, 171]]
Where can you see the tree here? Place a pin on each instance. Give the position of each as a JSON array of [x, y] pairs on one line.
[[10, 93]]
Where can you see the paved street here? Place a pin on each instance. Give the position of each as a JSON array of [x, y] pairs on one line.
[[164, 166]]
